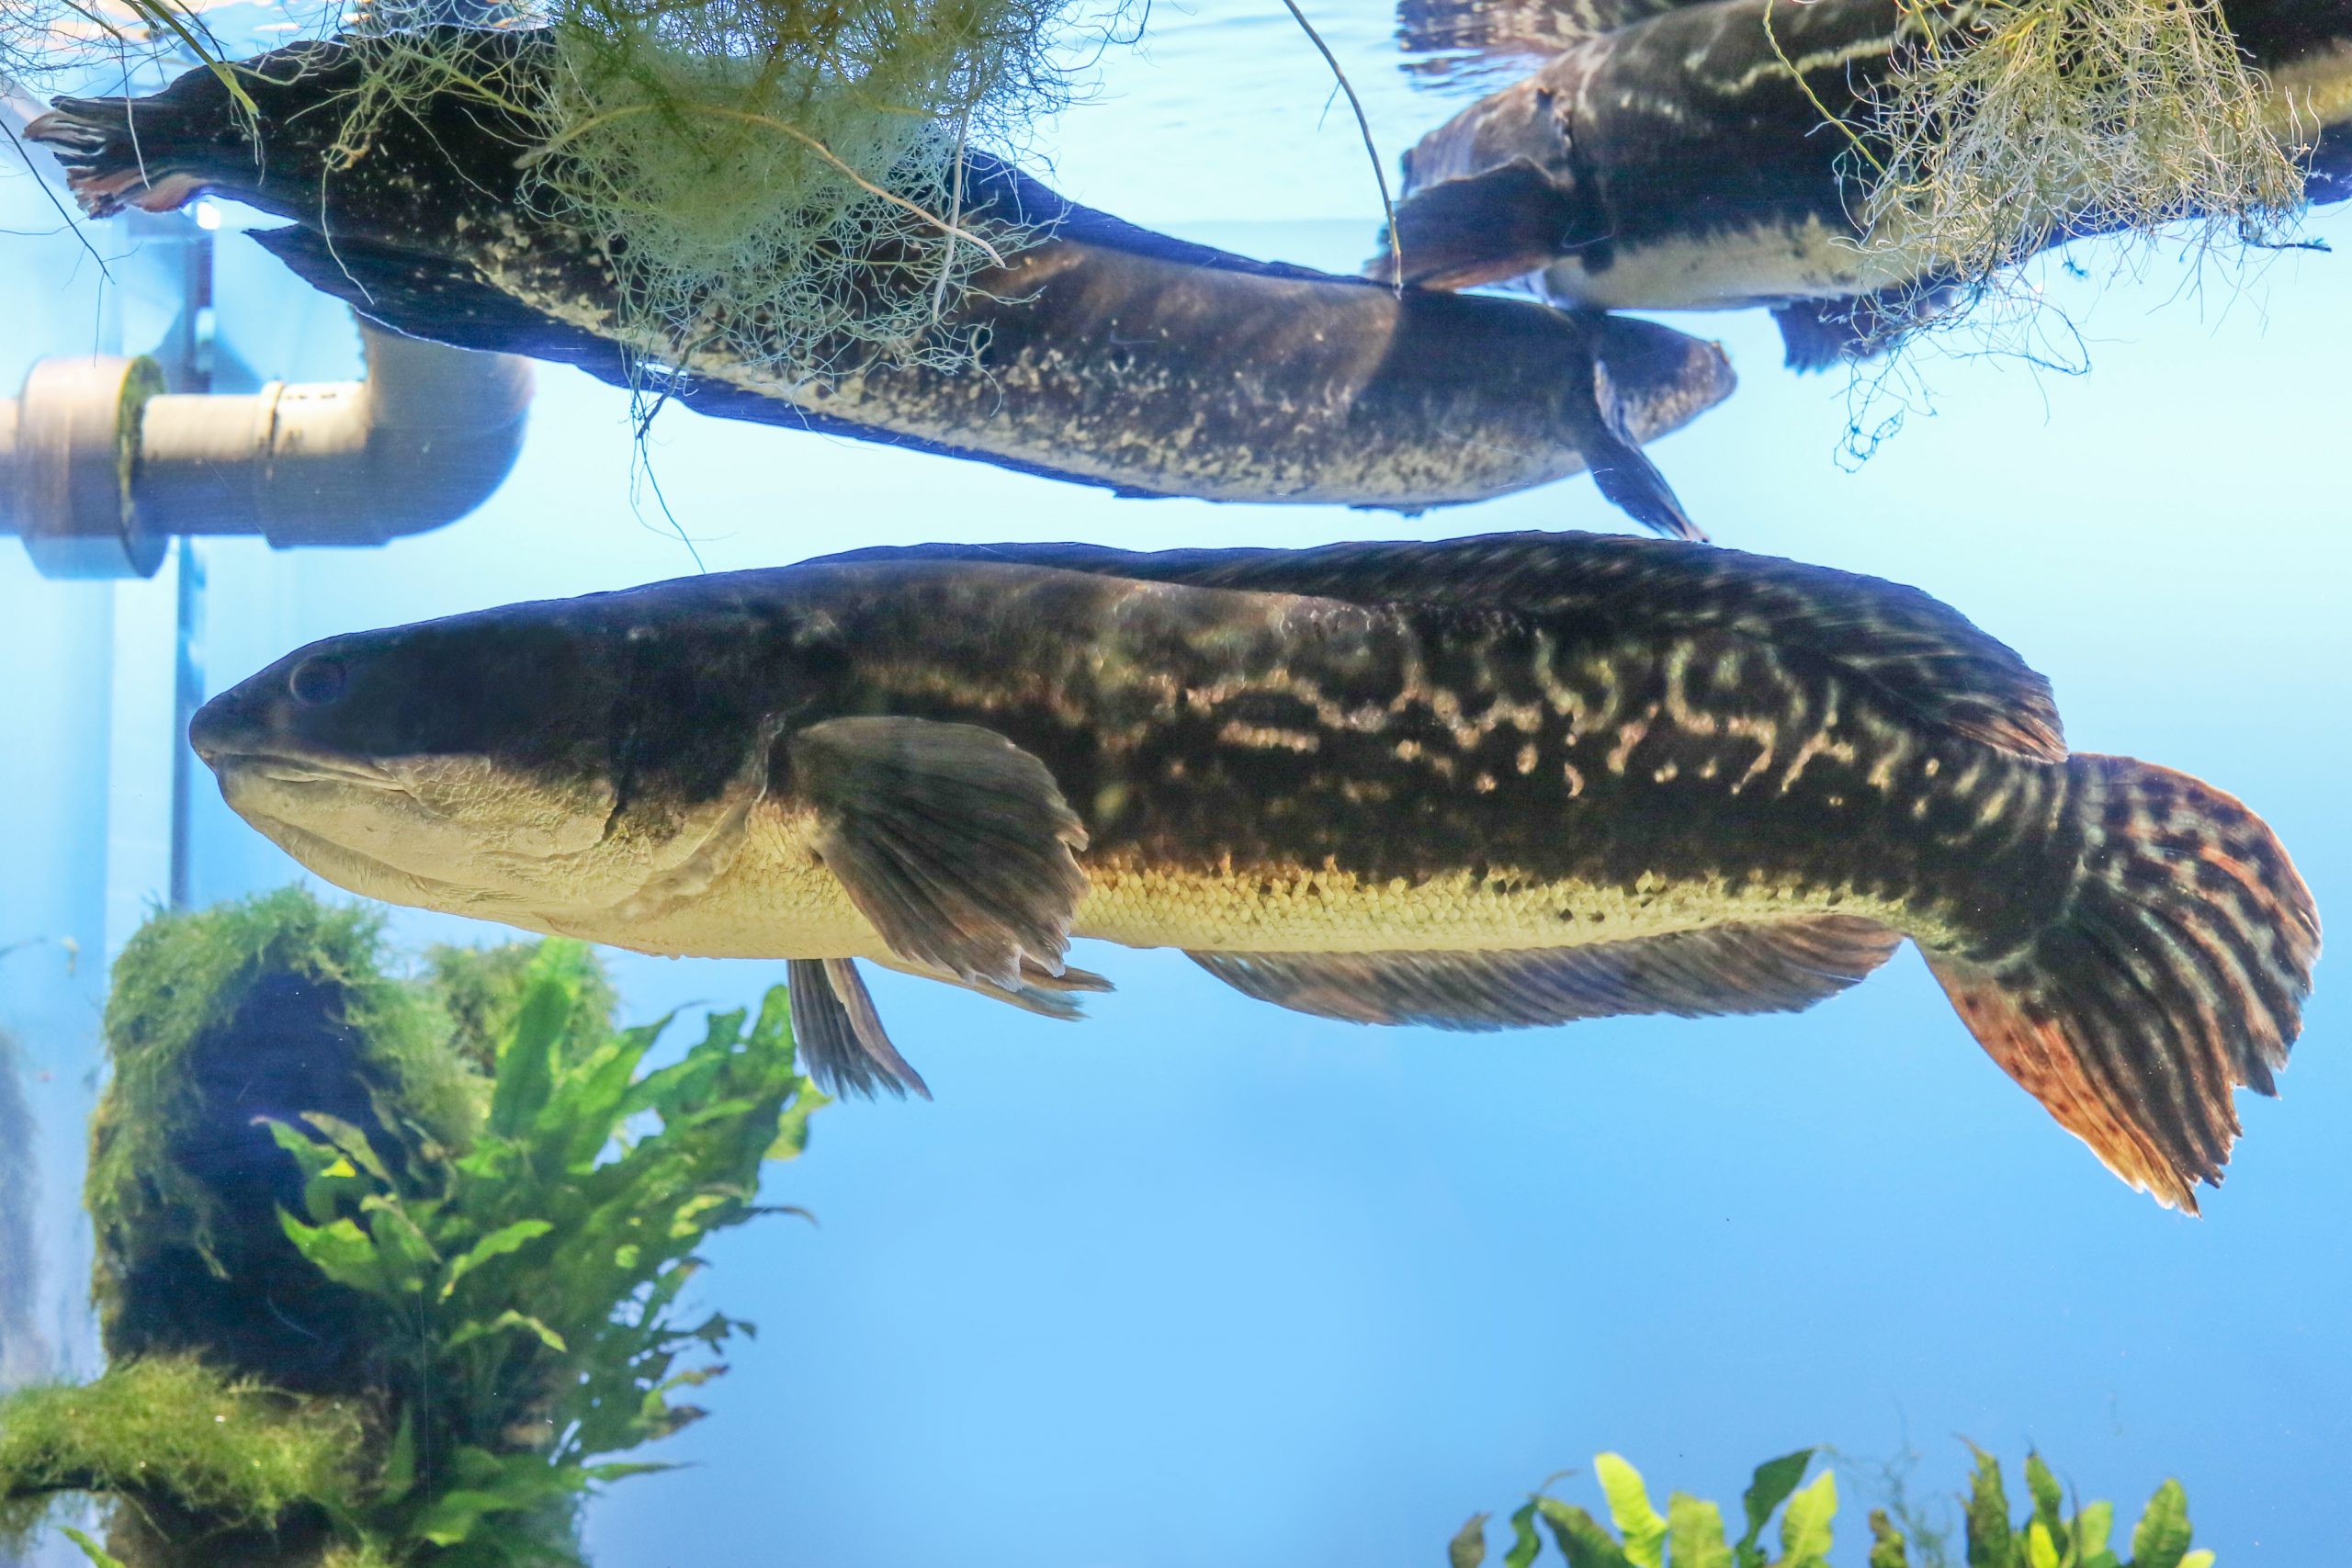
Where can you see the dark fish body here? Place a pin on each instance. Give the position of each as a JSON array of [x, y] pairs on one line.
[[1679, 160], [1108, 355], [1491, 783]]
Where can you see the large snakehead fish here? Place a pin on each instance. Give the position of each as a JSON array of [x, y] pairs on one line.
[[1491, 783], [1104, 355], [1662, 154]]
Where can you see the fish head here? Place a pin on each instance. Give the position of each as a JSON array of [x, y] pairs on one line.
[[473, 763]]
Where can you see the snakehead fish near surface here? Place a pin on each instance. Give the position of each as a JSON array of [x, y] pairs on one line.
[[1675, 156], [1103, 354], [1482, 784]]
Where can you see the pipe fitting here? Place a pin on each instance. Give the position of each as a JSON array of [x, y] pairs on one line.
[[102, 466]]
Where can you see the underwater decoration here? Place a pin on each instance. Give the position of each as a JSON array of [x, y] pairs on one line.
[[1100, 354], [1865, 168], [389, 1269], [1690, 1533], [1486, 782]]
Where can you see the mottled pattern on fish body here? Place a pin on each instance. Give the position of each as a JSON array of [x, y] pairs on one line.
[[1101, 353], [1275, 772], [1682, 160], [1480, 782]]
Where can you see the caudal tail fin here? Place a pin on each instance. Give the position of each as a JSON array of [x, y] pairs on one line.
[[2177, 974]]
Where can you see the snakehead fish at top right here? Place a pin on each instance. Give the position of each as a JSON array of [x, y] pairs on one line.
[[1480, 784]]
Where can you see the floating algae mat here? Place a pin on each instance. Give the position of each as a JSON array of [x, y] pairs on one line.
[[386, 1267], [780, 178], [2015, 125]]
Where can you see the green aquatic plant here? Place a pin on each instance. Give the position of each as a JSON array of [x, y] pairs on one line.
[[1690, 1533], [399, 1310], [270, 1007], [537, 1279], [2005, 126], [777, 183]]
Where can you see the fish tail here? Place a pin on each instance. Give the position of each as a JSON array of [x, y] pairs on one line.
[[111, 162], [2175, 973]]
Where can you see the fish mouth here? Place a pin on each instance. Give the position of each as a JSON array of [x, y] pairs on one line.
[[283, 767]]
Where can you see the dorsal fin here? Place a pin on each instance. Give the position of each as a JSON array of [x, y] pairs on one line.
[[1913, 648]]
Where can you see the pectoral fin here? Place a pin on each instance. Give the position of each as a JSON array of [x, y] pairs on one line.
[[1477, 229], [839, 1036], [1624, 472], [952, 840], [1778, 967]]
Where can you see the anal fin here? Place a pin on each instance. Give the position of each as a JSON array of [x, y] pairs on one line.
[[1777, 967], [839, 1036]]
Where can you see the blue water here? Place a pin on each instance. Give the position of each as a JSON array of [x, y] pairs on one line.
[[1203, 1282]]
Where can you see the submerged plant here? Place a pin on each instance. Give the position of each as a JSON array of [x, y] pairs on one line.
[[400, 1312], [778, 182], [2008, 126], [1690, 1533]]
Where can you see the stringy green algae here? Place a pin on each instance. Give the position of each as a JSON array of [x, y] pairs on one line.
[[776, 182]]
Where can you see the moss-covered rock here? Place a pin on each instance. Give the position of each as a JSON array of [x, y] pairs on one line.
[[386, 1265], [220, 1022]]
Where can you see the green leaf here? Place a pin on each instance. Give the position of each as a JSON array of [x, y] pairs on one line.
[[526, 1056], [1987, 1517], [2200, 1558], [91, 1549], [1468, 1547], [2049, 1502], [322, 1169], [1629, 1505], [351, 1143], [2161, 1538], [1774, 1480], [409, 1258], [2092, 1527], [1886, 1543], [2041, 1546], [497, 1244], [1524, 1542], [1582, 1538], [1805, 1527], [792, 1127], [399, 1465], [510, 1318], [1694, 1533], [341, 1251]]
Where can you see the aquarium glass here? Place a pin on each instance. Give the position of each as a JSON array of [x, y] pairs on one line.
[[1201, 1281]]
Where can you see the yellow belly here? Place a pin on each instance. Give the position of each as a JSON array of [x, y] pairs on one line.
[[778, 902]]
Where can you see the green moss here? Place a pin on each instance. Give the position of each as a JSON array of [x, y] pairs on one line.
[[481, 992], [270, 1007], [172, 1433], [461, 1289], [183, 981]]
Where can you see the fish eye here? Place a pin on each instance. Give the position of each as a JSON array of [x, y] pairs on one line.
[[316, 680]]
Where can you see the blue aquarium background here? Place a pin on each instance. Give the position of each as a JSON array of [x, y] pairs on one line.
[[1204, 1282]]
